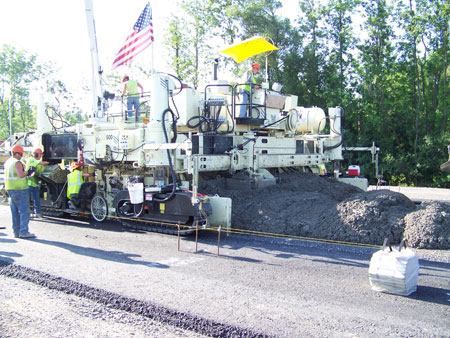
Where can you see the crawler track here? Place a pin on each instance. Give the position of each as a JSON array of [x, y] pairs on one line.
[[164, 228], [143, 225], [52, 212]]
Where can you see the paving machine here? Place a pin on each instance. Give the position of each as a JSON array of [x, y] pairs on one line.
[[146, 168]]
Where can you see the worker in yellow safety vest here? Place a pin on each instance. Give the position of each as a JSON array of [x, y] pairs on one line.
[[74, 181], [131, 89], [250, 79], [33, 187], [17, 188]]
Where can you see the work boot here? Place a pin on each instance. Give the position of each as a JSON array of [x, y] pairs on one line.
[[27, 235]]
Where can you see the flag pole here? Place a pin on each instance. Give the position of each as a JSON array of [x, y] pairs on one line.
[[153, 44], [153, 57]]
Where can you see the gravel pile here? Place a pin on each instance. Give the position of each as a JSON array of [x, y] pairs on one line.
[[304, 204], [429, 226]]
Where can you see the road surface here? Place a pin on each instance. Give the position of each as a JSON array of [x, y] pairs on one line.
[[110, 279]]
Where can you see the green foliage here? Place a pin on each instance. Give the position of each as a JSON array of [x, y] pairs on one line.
[[188, 39], [17, 70], [389, 73]]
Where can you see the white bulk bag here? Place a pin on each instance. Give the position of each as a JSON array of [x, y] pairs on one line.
[[394, 271]]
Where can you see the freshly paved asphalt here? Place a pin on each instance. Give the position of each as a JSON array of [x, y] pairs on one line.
[[285, 288]]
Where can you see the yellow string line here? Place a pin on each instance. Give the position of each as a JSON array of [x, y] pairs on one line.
[[245, 232], [275, 235]]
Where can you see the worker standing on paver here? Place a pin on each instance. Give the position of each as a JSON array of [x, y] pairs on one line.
[[251, 83], [130, 88]]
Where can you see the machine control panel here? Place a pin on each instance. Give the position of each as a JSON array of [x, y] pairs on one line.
[[126, 141]]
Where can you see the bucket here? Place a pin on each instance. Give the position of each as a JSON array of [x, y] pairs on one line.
[[136, 192]]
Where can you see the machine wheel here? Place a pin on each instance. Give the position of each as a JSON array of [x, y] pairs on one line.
[[255, 113], [99, 208]]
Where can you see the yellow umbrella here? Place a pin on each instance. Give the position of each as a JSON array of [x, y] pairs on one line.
[[248, 48]]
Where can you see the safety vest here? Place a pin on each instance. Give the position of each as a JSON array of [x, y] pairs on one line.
[[132, 88], [32, 162], [253, 81], [12, 180], [74, 181]]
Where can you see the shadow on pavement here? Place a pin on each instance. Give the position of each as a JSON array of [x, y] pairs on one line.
[[430, 268], [320, 252], [5, 261], [7, 240], [236, 258], [84, 222], [432, 295], [113, 256], [10, 254]]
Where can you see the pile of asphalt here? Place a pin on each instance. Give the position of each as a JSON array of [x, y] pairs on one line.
[[307, 205], [156, 312]]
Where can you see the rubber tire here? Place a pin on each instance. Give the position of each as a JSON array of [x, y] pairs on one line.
[[99, 208]]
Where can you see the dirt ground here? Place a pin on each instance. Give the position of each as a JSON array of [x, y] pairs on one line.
[[304, 204]]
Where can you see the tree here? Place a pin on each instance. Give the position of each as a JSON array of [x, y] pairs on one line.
[[437, 14], [17, 70], [391, 79], [313, 58], [342, 44], [260, 18], [376, 71], [189, 41]]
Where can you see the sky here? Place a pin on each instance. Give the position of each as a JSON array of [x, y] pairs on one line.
[[56, 30]]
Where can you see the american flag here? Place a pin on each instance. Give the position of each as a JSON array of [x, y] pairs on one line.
[[136, 42]]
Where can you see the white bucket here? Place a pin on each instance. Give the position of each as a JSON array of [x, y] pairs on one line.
[[136, 191]]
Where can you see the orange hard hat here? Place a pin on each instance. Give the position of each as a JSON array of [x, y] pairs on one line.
[[17, 149], [256, 65], [38, 151], [74, 165]]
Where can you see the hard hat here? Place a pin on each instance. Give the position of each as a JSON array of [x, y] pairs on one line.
[[17, 149], [74, 165], [38, 151], [125, 78], [256, 65]]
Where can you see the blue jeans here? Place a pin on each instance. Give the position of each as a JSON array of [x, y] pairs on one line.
[[244, 104], [132, 103], [34, 195], [20, 211]]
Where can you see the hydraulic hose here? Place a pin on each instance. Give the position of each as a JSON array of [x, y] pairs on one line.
[[342, 138], [169, 157]]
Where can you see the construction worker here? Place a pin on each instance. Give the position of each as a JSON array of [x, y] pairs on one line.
[[131, 89], [17, 187], [74, 181], [35, 162], [250, 79]]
